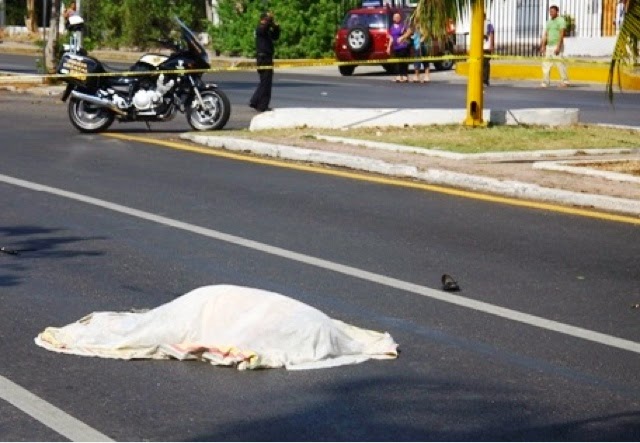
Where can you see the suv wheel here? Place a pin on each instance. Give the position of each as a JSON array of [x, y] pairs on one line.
[[346, 70], [444, 65], [358, 39]]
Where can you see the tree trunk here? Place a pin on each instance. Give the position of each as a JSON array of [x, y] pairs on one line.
[[208, 11], [50, 50], [625, 52], [30, 20]]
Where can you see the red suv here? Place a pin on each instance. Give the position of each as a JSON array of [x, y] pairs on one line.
[[363, 36]]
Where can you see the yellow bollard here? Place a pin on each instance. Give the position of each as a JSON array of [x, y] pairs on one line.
[[476, 54]]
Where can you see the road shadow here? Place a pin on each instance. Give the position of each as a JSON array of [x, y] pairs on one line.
[[250, 86], [155, 129], [26, 243], [412, 408], [372, 74]]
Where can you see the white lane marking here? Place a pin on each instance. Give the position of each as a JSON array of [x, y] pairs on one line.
[[453, 299], [47, 414]]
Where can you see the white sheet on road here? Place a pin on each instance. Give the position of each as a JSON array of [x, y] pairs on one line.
[[225, 325]]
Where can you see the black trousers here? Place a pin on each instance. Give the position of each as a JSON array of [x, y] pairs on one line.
[[486, 68], [262, 95], [402, 69]]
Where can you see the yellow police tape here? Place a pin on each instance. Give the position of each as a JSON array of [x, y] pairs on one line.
[[77, 71]]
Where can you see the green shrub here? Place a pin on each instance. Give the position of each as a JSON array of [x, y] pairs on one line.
[[134, 23], [307, 27]]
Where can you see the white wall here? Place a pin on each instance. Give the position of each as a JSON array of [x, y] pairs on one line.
[[589, 46], [588, 15]]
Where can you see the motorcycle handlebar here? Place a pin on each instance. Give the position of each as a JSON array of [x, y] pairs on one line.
[[166, 43]]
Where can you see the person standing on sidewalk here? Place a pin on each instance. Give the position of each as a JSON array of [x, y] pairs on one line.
[[419, 51], [266, 33], [399, 46], [488, 46], [552, 47]]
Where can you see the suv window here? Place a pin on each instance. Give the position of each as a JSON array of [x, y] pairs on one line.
[[371, 21]]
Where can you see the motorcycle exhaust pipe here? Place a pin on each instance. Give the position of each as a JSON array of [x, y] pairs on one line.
[[98, 102]]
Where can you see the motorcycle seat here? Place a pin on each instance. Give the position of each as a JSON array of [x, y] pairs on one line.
[[109, 68]]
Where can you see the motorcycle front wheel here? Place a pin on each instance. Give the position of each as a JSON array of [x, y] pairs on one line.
[[87, 117], [213, 115]]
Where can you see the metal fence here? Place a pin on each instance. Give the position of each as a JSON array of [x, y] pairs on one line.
[[519, 24]]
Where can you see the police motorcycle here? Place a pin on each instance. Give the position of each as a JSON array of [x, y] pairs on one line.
[[95, 101]]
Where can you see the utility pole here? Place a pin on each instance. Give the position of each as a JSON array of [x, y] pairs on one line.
[[50, 56], [2, 18], [475, 99], [44, 36], [44, 20]]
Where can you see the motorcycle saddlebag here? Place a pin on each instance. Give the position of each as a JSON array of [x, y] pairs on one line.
[[77, 67]]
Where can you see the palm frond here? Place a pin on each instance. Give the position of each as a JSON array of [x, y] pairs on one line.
[[625, 52], [432, 15]]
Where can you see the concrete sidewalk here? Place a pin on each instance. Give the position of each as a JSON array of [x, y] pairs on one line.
[[590, 71], [345, 118]]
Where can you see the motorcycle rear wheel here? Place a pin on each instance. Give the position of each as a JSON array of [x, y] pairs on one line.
[[214, 115], [87, 117]]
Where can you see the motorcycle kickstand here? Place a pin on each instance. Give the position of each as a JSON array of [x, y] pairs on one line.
[[148, 126]]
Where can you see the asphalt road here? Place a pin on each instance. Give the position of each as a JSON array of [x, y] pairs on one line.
[[370, 87], [466, 372]]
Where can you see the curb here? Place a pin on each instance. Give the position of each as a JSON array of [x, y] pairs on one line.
[[27, 50], [577, 73], [6, 78], [37, 90], [508, 156], [569, 167], [506, 188]]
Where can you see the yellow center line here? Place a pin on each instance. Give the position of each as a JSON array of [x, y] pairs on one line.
[[361, 176]]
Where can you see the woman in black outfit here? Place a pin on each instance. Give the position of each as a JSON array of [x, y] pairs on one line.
[[266, 33]]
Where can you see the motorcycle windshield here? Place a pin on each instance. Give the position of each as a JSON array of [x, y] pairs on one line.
[[193, 43]]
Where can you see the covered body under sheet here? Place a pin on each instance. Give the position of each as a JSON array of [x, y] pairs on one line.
[[225, 325]]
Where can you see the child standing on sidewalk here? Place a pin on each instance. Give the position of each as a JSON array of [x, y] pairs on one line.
[[419, 51]]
